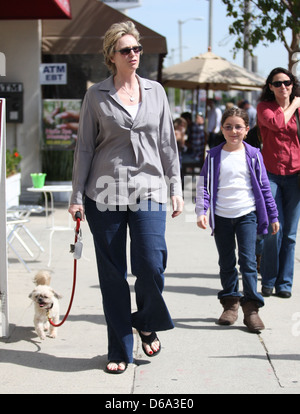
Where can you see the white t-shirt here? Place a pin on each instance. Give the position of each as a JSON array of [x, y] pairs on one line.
[[132, 109], [235, 196]]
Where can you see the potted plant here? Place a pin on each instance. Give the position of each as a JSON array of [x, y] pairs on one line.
[[13, 177]]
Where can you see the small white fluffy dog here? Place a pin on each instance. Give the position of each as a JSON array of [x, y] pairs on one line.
[[45, 300]]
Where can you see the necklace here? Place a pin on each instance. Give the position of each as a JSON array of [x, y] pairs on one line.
[[131, 97]]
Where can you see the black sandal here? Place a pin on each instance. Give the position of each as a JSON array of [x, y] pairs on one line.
[[148, 339], [116, 371]]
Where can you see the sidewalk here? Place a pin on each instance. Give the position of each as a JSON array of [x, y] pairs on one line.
[[198, 356]]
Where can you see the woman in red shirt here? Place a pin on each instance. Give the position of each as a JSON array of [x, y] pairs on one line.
[[276, 114]]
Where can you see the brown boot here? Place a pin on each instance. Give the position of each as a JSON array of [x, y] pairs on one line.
[[230, 314], [251, 318]]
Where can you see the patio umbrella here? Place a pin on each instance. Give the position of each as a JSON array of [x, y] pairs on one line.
[[211, 72]]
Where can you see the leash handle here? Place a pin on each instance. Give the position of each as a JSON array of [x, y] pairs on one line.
[[78, 219], [78, 215]]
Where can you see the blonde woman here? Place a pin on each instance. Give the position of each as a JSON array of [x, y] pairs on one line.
[[125, 162]]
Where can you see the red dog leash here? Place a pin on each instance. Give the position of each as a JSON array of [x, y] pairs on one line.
[[73, 250]]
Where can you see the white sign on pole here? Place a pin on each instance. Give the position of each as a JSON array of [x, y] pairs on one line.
[[53, 73], [4, 320]]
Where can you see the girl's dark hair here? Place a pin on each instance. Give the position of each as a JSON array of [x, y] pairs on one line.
[[235, 111], [268, 95]]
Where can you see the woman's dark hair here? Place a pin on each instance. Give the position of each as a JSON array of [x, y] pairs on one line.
[[235, 111], [268, 95]]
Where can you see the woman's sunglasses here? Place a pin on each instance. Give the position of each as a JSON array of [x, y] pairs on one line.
[[126, 50], [278, 84]]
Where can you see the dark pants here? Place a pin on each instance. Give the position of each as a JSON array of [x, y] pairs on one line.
[[227, 231], [148, 261], [278, 257]]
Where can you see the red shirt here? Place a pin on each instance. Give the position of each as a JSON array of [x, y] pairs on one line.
[[281, 147]]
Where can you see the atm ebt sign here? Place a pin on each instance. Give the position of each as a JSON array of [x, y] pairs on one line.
[[53, 74]]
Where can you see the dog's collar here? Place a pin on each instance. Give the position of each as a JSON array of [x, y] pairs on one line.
[[47, 309]]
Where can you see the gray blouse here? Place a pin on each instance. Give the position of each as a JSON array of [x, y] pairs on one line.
[[118, 160]]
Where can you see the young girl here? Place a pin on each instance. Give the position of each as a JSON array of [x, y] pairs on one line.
[[233, 183]]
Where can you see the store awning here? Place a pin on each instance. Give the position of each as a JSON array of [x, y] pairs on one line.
[[35, 9], [85, 32]]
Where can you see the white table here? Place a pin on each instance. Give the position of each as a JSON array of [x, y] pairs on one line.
[[50, 189]]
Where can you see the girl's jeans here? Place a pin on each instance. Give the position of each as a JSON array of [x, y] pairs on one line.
[[227, 232]]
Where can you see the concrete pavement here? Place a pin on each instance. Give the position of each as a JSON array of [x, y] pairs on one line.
[[198, 356]]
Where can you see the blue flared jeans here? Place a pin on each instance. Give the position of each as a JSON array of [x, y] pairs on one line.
[[278, 256], [242, 230], [148, 253]]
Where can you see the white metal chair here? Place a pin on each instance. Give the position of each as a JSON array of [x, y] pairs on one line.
[[12, 227], [17, 218]]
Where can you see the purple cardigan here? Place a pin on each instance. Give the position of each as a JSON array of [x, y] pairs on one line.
[[207, 187]]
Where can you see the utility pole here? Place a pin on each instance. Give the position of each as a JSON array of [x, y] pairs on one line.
[[210, 24], [180, 23]]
